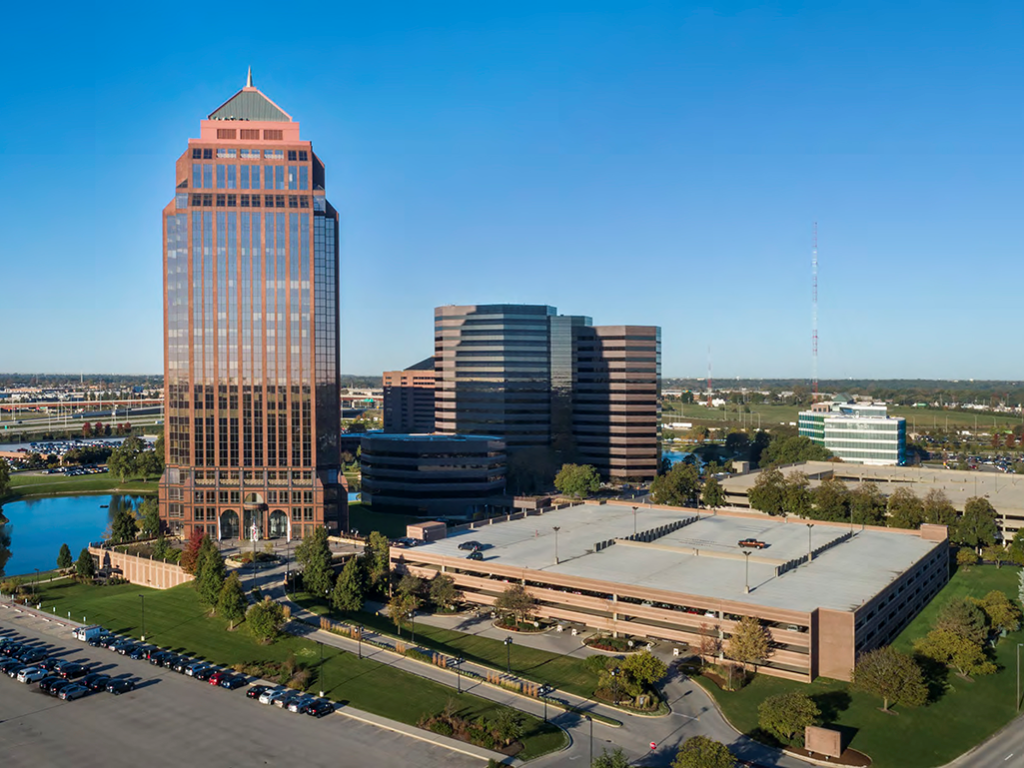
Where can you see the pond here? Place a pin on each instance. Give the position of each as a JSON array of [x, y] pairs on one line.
[[38, 527]]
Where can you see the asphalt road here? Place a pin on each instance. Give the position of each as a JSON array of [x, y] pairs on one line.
[[172, 720]]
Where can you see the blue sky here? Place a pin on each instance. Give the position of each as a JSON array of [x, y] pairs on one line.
[[647, 163]]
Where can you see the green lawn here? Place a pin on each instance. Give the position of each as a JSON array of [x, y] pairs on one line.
[[24, 486], [175, 620], [362, 518], [966, 714], [567, 673]]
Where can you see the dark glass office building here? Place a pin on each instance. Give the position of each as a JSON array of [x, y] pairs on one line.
[[535, 378], [251, 332]]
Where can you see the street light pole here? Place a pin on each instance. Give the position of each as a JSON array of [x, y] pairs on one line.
[[810, 553], [322, 685], [508, 655], [747, 577], [458, 671], [557, 529], [143, 599], [634, 520], [591, 738], [359, 641]]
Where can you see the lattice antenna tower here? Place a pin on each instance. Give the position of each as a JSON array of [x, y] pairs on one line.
[[709, 376], [814, 315]]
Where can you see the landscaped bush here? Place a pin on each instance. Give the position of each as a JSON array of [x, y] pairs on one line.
[[442, 727], [615, 644]]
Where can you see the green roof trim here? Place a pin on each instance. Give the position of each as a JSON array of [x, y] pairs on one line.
[[250, 105]]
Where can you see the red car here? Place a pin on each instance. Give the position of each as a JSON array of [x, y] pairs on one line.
[[217, 677], [752, 543]]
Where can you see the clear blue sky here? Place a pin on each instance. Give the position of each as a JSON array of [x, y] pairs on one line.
[[639, 162]]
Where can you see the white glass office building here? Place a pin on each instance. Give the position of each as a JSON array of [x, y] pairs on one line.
[[860, 433]]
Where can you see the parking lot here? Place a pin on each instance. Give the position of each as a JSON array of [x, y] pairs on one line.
[[170, 717]]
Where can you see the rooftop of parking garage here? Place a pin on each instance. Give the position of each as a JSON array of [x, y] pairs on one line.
[[702, 558]]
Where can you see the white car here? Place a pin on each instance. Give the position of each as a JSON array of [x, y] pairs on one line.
[[31, 675], [269, 696]]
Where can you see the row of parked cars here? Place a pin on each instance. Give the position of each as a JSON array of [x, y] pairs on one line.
[[63, 678], [286, 698]]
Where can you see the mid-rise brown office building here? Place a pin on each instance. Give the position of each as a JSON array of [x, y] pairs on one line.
[[251, 327], [409, 398]]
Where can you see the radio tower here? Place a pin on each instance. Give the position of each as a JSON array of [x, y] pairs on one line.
[[814, 316], [709, 376]]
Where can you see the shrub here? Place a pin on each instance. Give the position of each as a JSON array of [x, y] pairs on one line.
[[441, 727]]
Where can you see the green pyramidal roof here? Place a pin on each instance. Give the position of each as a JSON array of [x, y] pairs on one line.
[[250, 104]]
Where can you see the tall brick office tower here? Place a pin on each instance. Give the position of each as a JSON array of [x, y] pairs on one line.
[[251, 332]]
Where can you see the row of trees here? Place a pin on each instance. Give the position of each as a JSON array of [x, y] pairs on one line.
[[129, 523], [99, 429], [132, 459], [682, 486], [695, 752]]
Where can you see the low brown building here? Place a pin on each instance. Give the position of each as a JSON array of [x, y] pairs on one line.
[[409, 398], [825, 593]]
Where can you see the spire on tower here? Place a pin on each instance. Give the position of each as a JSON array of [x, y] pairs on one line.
[[248, 79]]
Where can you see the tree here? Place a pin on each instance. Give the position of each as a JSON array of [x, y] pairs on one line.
[[964, 618], [966, 557], [954, 650], [124, 460], [702, 752], [1003, 614], [1017, 546], [231, 601], [315, 555], [5, 477], [410, 584], [509, 725], [85, 566], [978, 526], [786, 715], [210, 574], [401, 606], [645, 667], [867, 505], [516, 601], [149, 512], [190, 555], [348, 588], [905, 509], [713, 494], [892, 676], [377, 557], [265, 620], [577, 480], [832, 500], [792, 450], [796, 495], [64, 559], [123, 528], [768, 493], [750, 642], [87, 429], [996, 553], [938, 509], [678, 487], [710, 643], [613, 759], [443, 592]]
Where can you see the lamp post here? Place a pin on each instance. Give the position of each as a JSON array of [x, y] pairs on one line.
[[143, 599], [557, 529], [508, 655], [591, 720], [322, 685], [746, 579], [359, 641], [634, 520], [458, 672], [810, 553], [615, 685]]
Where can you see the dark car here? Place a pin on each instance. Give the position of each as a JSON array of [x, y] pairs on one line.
[[466, 545], [32, 655], [181, 663], [205, 673], [73, 671], [48, 664], [256, 691], [232, 681], [101, 641], [47, 682], [140, 652], [170, 661], [10, 664], [74, 691], [11, 649], [97, 681], [120, 685], [476, 554], [120, 644], [157, 659], [126, 649], [319, 708], [60, 685]]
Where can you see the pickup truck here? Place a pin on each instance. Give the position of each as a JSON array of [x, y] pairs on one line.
[[753, 543]]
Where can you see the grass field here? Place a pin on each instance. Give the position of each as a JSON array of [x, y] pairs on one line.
[[966, 714], [774, 415], [567, 673], [175, 620], [25, 486]]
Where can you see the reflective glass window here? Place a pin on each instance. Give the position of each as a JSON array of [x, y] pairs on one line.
[[197, 176], [268, 177], [220, 176], [232, 171], [303, 177], [207, 176], [293, 180], [303, 155], [255, 177], [197, 154], [181, 200], [243, 177], [279, 177]]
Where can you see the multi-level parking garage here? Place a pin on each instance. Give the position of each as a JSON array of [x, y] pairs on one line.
[[676, 575]]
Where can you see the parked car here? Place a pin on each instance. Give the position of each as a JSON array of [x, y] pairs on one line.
[[121, 644], [74, 691], [233, 681], [125, 649], [476, 554], [320, 707], [268, 697], [195, 666], [99, 641], [299, 703], [60, 685], [48, 664], [256, 691], [31, 675], [754, 543], [205, 673], [73, 671], [95, 682], [467, 545], [157, 659], [217, 677], [140, 652], [33, 655], [120, 685], [182, 663], [47, 682], [11, 664], [286, 698]]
